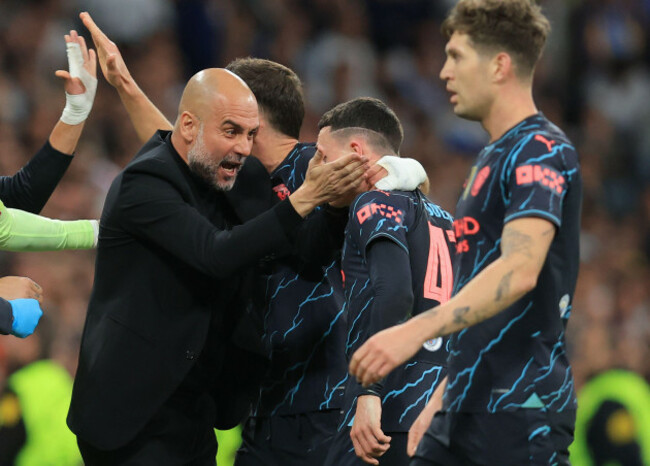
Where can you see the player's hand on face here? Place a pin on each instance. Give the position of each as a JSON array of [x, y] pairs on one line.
[[368, 439], [110, 59], [82, 63], [382, 353], [334, 180], [20, 288]]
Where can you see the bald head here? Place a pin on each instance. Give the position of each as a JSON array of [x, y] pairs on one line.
[[213, 86], [217, 121]]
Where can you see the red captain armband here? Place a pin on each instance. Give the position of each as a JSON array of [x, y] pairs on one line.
[[547, 177]]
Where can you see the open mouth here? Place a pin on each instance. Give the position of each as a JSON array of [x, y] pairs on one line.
[[230, 168]]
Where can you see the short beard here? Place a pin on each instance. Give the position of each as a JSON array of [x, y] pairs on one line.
[[202, 166]]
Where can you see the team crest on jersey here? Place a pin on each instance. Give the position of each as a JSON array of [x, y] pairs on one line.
[[433, 345], [564, 305], [372, 209], [281, 191], [480, 180]]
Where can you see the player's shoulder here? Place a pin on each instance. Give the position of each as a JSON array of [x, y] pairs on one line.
[[542, 136], [435, 212], [539, 141], [394, 198], [304, 151], [378, 204]]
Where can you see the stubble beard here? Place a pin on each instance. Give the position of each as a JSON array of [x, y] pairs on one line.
[[202, 166]]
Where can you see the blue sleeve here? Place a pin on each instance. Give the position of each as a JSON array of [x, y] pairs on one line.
[[378, 214], [538, 178]]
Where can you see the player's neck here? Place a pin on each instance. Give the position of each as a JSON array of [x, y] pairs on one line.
[[273, 149], [509, 108]]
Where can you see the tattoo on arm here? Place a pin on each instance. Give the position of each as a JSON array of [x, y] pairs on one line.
[[504, 287], [459, 315], [514, 241]]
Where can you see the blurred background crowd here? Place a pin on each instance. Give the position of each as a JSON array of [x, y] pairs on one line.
[[594, 82]]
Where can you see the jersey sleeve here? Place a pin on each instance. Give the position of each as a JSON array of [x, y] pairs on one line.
[[378, 214], [23, 231], [538, 177]]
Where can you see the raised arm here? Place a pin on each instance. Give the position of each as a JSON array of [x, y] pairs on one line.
[[144, 115], [31, 187], [524, 246]]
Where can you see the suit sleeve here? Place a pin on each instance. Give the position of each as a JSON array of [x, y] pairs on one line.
[[32, 186], [151, 209]]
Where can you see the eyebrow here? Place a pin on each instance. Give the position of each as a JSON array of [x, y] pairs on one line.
[[239, 127]]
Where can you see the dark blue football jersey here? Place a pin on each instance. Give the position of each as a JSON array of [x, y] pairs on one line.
[[304, 322], [424, 231], [518, 357]]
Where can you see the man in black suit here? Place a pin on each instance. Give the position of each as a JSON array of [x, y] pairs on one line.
[[158, 322]]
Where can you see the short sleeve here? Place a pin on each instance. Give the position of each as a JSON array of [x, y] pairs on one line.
[[377, 214], [539, 177]]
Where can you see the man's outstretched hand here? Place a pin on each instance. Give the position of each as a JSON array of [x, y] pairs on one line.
[[110, 59]]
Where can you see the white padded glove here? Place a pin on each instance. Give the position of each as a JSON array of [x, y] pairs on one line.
[[403, 174], [78, 106]]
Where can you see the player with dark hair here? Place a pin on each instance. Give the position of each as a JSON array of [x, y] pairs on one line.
[[509, 398], [396, 263]]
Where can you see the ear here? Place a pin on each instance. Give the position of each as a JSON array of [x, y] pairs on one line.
[[188, 127], [357, 147], [501, 67]]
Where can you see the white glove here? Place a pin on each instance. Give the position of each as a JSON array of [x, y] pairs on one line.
[[78, 106], [403, 174]]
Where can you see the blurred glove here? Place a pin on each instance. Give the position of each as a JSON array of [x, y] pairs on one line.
[[27, 313], [403, 174], [78, 106]]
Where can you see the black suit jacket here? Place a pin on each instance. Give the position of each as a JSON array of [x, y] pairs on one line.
[[165, 236]]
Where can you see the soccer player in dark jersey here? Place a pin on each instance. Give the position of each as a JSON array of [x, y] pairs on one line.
[[509, 398], [396, 263], [296, 415]]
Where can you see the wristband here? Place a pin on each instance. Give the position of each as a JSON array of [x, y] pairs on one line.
[[78, 106]]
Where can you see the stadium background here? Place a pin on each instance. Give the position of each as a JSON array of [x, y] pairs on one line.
[[594, 82]]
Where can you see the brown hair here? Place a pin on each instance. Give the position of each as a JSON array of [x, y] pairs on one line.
[[278, 91], [517, 27]]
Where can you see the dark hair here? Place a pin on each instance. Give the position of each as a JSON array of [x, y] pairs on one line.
[[517, 27], [373, 138], [278, 91], [368, 113]]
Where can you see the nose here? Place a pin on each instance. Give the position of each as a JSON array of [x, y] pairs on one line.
[[445, 71], [244, 146]]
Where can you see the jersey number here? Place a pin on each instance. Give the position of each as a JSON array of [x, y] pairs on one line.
[[440, 276]]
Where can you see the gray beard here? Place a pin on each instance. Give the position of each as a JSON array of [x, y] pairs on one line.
[[207, 173]]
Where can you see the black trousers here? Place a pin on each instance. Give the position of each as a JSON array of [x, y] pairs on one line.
[[181, 433], [522, 437]]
